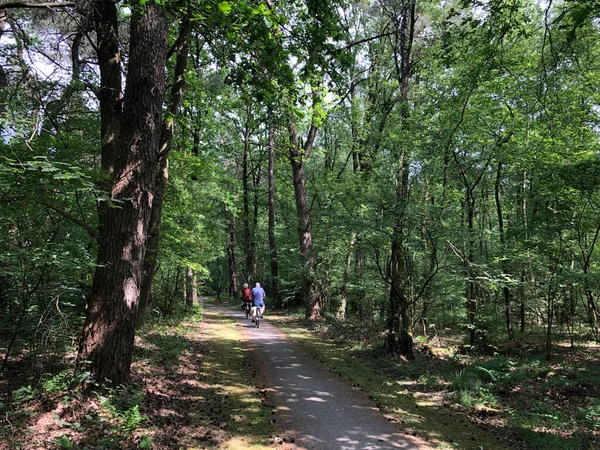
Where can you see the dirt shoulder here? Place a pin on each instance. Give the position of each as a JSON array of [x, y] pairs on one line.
[[192, 388]]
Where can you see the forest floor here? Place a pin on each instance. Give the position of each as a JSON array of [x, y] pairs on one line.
[[193, 387], [452, 400]]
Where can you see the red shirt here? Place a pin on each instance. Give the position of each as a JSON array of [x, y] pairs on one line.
[[246, 296]]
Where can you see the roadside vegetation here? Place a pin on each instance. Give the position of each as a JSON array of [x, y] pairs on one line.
[[429, 168], [192, 388], [511, 399]]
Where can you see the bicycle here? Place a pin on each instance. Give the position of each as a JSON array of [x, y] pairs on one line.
[[256, 316], [247, 308]]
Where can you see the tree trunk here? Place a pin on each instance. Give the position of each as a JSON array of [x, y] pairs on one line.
[[233, 282], [522, 211], [191, 297], [3, 75], [354, 117], [522, 304], [272, 241], [162, 175], [177, 290], [591, 302], [107, 344], [427, 291], [504, 263], [109, 96], [248, 232], [298, 155], [471, 287], [399, 321], [550, 300], [256, 180], [341, 312]]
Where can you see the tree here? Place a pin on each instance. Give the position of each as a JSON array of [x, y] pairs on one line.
[[107, 344], [181, 47]]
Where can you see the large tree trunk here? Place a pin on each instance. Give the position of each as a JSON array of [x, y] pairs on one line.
[[109, 96], [272, 241], [298, 155], [162, 175], [107, 344]]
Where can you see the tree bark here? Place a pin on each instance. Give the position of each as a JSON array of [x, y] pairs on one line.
[[399, 323], [106, 347], [233, 282], [109, 97], [399, 320], [191, 291], [522, 212], [17, 4], [341, 312], [298, 155], [471, 283], [272, 240], [3, 74], [503, 264], [248, 231], [162, 175], [109, 94]]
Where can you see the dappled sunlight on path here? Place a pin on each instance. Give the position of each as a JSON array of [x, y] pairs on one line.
[[316, 410]]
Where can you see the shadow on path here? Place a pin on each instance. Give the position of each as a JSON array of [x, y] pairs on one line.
[[316, 410]]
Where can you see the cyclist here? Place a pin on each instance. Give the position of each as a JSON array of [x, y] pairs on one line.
[[246, 298], [258, 299]]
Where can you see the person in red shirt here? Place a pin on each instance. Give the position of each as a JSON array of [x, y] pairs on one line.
[[246, 299]]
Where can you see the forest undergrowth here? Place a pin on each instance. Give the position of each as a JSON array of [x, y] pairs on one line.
[[513, 399], [192, 387]]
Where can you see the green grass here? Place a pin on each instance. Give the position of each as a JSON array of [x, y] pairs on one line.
[[529, 402], [189, 375], [248, 419], [405, 397]]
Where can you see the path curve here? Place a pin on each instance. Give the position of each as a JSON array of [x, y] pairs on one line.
[[314, 407]]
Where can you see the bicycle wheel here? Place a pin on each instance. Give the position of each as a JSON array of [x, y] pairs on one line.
[[256, 320]]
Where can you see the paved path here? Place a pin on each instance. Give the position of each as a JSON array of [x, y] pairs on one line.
[[318, 410]]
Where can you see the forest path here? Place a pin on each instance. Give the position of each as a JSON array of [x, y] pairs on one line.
[[315, 409]]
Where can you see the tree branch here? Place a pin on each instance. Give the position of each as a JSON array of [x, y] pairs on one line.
[[91, 230], [367, 39]]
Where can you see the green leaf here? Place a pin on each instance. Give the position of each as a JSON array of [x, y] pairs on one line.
[[225, 8], [146, 442], [65, 442]]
